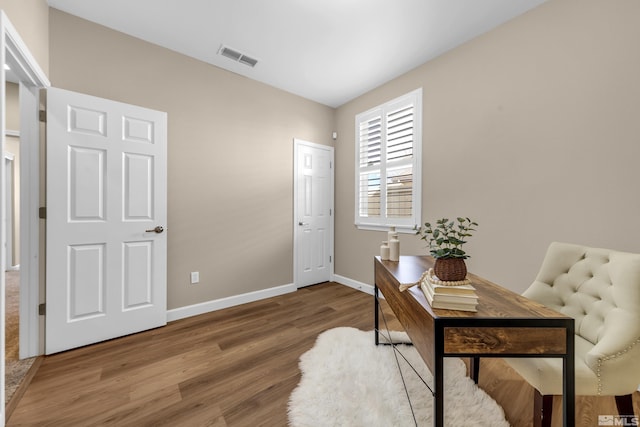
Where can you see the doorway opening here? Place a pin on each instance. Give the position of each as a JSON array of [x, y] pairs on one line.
[[15, 369], [20, 67]]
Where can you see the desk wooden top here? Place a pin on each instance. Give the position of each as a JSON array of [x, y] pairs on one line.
[[494, 302], [506, 323]]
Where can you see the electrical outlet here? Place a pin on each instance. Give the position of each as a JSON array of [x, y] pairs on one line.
[[195, 277]]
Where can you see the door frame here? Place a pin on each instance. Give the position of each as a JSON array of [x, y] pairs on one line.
[[26, 71], [296, 229]]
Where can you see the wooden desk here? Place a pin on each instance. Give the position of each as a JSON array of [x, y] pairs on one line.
[[505, 325]]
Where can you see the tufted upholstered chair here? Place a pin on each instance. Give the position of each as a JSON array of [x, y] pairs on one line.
[[600, 289]]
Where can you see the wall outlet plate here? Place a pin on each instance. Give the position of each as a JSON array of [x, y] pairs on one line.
[[195, 277]]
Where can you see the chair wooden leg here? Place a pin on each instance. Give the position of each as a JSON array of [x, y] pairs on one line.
[[542, 410], [474, 368], [625, 404], [537, 409], [547, 408]]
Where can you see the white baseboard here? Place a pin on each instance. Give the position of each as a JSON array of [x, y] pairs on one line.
[[353, 284], [222, 303], [219, 304]]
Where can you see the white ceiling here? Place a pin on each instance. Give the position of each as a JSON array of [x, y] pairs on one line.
[[329, 51]]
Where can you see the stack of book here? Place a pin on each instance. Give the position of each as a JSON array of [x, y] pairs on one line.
[[459, 296]]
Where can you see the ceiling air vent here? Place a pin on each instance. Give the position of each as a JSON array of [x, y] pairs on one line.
[[237, 56]]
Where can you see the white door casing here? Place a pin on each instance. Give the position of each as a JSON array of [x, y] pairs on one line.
[[313, 213], [106, 193]]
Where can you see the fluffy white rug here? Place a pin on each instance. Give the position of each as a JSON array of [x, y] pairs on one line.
[[348, 381]]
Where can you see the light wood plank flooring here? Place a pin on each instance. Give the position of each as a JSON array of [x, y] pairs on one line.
[[233, 367]]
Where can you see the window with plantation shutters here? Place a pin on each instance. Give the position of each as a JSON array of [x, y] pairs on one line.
[[388, 141]]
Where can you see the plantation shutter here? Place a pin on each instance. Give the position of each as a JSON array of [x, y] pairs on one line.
[[387, 155], [370, 141], [400, 124]]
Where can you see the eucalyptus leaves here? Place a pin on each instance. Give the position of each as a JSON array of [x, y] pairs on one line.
[[446, 238]]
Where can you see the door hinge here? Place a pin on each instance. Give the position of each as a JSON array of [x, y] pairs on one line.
[[42, 212], [330, 212], [42, 309], [329, 259], [42, 116]]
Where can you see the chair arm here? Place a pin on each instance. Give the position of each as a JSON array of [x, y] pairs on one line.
[[615, 359]]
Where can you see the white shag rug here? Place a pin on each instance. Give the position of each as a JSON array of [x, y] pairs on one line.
[[348, 381]]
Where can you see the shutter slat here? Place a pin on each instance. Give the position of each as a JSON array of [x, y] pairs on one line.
[[399, 134], [370, 142]]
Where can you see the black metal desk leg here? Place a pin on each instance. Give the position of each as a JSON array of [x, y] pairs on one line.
[[438, 410], [569, 384], [438, 378], [376, 307]]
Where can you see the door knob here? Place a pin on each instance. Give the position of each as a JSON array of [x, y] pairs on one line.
[[301, 224], [158, 230]]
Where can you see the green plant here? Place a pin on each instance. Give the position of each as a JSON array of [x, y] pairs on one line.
[[446, 238]]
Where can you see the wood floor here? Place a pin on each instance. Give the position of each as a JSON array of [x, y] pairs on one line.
[[16, 370], [233, 367], [12, 314], [515, 396]]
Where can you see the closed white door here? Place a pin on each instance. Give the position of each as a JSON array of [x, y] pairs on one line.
[[106, 214], [313, 212]]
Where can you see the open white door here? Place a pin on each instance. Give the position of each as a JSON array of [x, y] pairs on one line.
[[106, 209], [313, 211]]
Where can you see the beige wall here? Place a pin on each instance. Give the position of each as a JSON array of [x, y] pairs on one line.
[[532, 129], [539, 116], [31, 19], [230, 167], [12, 115]]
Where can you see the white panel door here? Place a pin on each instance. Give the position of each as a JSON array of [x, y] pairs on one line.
[[106, 212], [314, 203]]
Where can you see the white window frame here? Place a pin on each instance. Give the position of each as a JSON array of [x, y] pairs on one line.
[[383, 223]]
